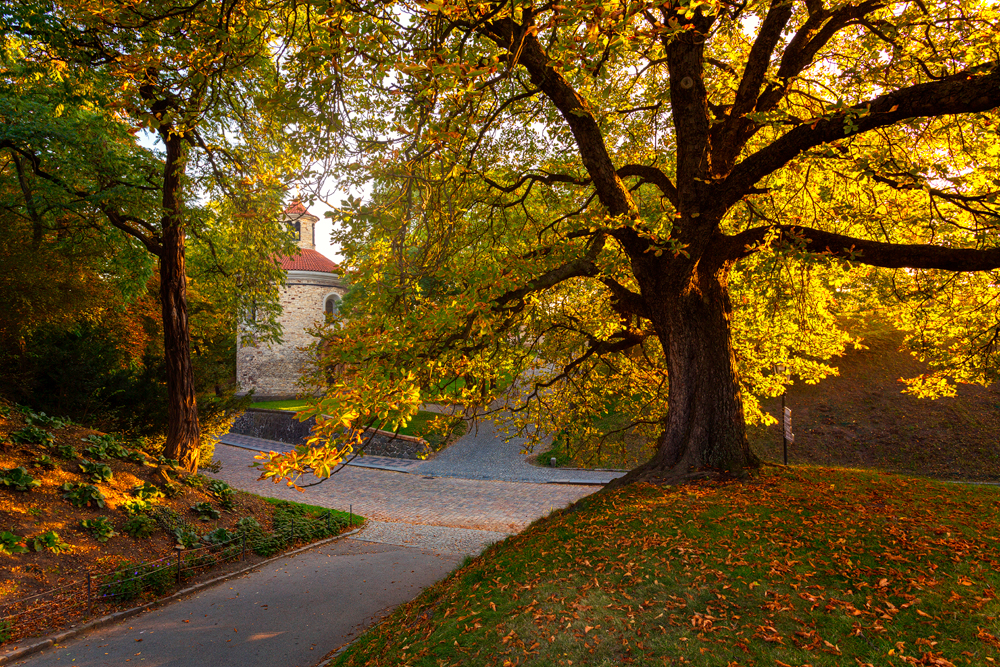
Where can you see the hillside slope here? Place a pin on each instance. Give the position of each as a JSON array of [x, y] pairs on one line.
[[862, 420]]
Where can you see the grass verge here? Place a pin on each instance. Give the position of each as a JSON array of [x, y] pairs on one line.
[[802, 566]]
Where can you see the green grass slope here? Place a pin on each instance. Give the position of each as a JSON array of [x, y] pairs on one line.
[[860, 419], [802, 566]]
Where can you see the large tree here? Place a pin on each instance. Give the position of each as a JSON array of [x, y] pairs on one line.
[[573, 194], [82, 79]]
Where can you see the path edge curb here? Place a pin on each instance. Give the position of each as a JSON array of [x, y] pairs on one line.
[[109, 619]]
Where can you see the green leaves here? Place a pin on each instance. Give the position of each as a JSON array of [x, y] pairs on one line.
[[18, 479]]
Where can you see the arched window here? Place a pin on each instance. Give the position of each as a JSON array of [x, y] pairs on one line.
[[332, 305]]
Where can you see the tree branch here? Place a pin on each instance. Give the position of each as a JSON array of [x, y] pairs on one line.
[[651, 175], [971, 91], [524, 49], [871, 253]]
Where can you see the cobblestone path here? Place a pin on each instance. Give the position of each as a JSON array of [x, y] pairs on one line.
[[501, 507]]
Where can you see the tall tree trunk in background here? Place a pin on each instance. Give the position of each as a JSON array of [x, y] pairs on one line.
[[705, 430], [183, 431]]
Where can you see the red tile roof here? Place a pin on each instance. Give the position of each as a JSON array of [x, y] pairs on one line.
[[296, 208], [308, 260]]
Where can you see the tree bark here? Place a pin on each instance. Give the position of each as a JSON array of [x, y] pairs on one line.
[[705, 431], [183, 430]]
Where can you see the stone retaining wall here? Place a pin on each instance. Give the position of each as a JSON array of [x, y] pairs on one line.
[[282, 426]]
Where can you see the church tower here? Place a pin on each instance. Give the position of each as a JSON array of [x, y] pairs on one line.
[[313, 287]]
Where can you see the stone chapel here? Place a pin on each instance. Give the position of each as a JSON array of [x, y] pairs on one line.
[[313, 287]]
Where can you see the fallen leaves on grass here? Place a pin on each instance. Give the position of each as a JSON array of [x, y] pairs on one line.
[[799, 567]]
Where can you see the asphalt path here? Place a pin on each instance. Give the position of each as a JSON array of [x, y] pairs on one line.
[[288, 614], [295, 610]]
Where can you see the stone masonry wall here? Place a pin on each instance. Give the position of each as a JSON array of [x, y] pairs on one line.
[[273, 371]]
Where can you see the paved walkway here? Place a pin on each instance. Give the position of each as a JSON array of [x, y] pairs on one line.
[[288, 614], [295, 610], [480, 454], [504, 507]]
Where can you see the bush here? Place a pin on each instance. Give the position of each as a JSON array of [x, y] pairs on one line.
[[134, 456], [169, 518], [65, 452], [18, 479], [194, 481], [186, 536], [96, 451], [130, 580], [205, 511], [100, 528], [98, 472], [248, 524], [12, 544], [82, 495], [148, 492], [135, 506], [44, 461], [43, 420], [50, 541], [32, 435], [222, 492], [218, 536], [140, 527]]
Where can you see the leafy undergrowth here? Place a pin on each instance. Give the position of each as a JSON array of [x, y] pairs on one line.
[[74, 501], [801, 566]]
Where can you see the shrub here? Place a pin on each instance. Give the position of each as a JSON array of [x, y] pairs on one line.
[[205, 511], [194, 481], [44, 461], [100, 440], [98, 452], [218, 536], [12, 544], [140, 526], [100, 528], [186, 536], [105, 446], [147, 491], [135, 506], [169, 518], [18, 479], [248, 524], [32, 435], [98, 472], [130, 580], [43, 420], [65, 452], [50, 541], [82, 495], [170, 463], [134, 456], [222, 492]]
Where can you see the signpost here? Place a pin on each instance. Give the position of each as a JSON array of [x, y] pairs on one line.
[[787, 436]]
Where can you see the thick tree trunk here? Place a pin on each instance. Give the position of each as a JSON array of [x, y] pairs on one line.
[[705, 433], [183, 431]]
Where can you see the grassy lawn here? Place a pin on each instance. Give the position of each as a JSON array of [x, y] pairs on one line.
[[801, 566], [292, 405]]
